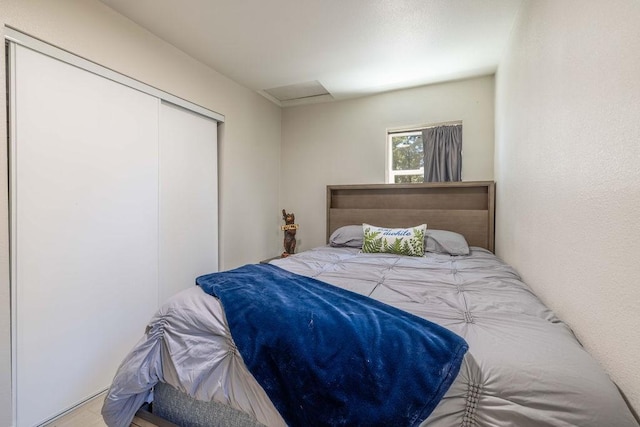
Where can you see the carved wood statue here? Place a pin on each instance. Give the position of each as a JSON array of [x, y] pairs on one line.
[[290, 229]]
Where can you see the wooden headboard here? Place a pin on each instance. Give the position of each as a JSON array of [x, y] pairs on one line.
[[466, 207]]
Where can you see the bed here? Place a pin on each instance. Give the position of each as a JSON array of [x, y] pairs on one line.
[[523, 366]]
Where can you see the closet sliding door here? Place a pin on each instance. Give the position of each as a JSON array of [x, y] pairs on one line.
[[188, 198], [84, 173]]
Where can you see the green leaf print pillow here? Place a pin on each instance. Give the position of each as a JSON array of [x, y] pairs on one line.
[[401, 241]]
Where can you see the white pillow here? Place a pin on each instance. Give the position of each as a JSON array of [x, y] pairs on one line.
[[401, 241]]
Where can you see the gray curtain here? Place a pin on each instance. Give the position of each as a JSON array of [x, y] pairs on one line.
[[442, 153]]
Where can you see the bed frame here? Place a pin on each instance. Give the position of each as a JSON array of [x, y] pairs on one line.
[[467, 207]]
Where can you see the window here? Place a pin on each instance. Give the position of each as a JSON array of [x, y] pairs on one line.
[[406, 157], [406, 154]]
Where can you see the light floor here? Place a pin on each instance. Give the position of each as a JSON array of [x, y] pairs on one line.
[[88, 415]]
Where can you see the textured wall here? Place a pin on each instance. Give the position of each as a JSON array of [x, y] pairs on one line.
[[345, 142], [249, 141], [567, 171]]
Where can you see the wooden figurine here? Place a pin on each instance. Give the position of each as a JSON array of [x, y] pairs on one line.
[[289, 229]]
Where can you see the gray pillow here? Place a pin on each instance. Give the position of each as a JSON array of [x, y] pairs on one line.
[[446, 242], [350, 236]]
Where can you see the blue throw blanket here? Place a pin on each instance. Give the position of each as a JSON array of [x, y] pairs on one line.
[[327, 356]]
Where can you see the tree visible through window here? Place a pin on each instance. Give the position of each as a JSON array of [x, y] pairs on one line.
[[406, 157]]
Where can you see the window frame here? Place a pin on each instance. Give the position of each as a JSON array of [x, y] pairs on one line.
[[390, 173]]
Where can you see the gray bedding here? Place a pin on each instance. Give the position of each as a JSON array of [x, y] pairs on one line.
[[524, 366]]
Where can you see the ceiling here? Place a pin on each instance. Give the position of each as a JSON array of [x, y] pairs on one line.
[[350, 47]]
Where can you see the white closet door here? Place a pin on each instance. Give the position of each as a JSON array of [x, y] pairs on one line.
[[188, 198], [85, 221]]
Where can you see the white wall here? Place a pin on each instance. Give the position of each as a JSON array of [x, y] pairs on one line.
[[249, 141], [567, 171], [345, 142]]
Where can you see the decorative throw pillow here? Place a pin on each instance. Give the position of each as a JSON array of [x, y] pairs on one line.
[[401, 241]]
